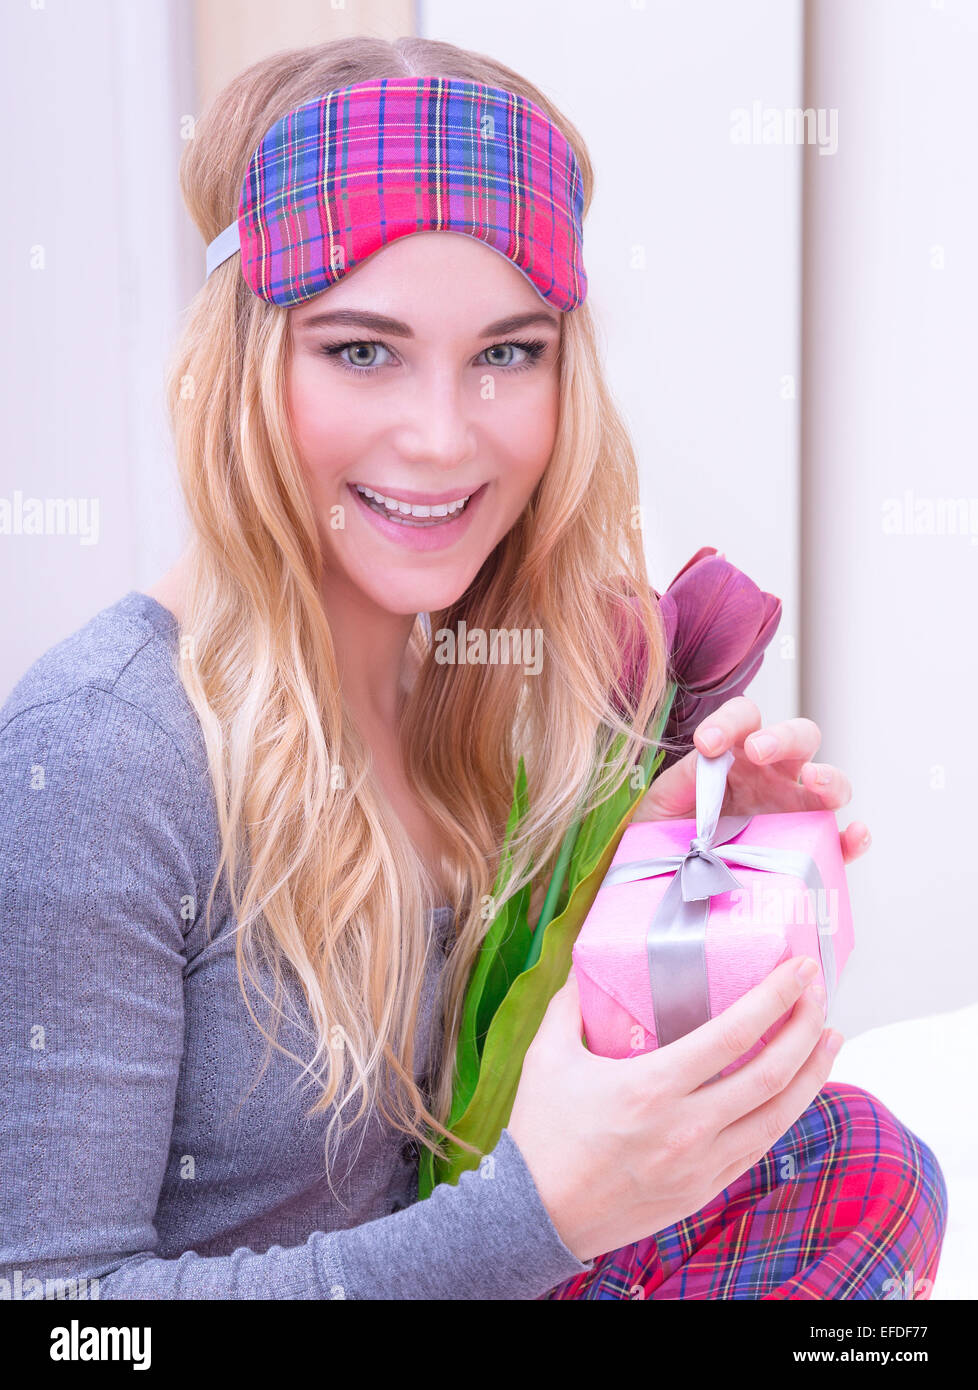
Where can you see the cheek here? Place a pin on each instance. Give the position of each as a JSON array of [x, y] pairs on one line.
[[528, 432], [326, 432]]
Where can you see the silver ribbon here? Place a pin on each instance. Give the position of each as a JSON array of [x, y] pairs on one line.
[[676, 938]]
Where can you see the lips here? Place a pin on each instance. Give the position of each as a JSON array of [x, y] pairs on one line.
[[415, 533]]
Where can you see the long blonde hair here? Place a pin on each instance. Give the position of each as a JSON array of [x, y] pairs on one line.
[[321, 873]]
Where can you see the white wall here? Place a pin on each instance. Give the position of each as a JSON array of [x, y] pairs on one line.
[[891, 355], [99, 258]]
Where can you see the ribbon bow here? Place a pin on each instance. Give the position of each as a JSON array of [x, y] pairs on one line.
[[676, 937]]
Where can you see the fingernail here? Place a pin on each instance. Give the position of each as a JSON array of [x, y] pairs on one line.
[[806, 971], [866, 840], [833, 1042], [817, 993], [712, 738], [763, 744], [823, 775]]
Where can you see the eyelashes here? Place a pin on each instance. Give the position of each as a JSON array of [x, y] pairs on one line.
[[533, 347]]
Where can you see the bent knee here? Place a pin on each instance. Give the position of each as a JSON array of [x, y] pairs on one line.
[[909, 1166]]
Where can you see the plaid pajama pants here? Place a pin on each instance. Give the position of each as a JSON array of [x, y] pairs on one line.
[[849, 1203]]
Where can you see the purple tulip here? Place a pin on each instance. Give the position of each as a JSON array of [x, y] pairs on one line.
[[718, 624]]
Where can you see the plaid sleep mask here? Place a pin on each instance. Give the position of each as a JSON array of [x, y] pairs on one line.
[[338, 178]]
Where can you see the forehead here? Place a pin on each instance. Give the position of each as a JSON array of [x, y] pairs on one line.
[[473, 288], [454, 267]]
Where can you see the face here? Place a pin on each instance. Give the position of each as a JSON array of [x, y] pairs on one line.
[[434, 380]]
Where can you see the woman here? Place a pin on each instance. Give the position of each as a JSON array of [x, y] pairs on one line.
[[378, 418]]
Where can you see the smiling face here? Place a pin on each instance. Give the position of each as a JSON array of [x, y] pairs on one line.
[[436, 379]]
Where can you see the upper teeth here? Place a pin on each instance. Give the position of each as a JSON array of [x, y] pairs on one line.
[[394, 504]]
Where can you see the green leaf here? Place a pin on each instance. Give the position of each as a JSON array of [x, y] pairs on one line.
[[481, 1110], [489, 979], [499, 961], [519, 1016]]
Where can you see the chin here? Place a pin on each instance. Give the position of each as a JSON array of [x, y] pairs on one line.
[[396, 590], [421, 602]]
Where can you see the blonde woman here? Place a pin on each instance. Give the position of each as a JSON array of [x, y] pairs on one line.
[[253, 817]]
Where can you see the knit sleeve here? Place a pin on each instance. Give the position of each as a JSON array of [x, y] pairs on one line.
[[96, 839]]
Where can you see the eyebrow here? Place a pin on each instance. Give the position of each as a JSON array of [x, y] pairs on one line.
[[394, 328]]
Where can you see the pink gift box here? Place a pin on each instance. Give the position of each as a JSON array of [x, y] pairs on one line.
[[749, 930]]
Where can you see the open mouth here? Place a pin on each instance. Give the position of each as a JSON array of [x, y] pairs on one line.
[[414, 517]]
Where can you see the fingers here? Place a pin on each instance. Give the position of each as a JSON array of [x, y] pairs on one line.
[[672, 795], [791, 742], [831, 786], [757, 1132], [856, 840], [733, 1171], [691, 1061], [793, 739], [733, 721], [766, 1076], [563, 1015]]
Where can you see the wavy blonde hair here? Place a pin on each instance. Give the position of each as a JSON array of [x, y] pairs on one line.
[[322, 876]]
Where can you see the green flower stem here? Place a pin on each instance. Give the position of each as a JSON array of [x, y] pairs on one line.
[[553, 891]]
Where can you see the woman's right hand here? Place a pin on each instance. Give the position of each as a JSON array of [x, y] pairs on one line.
[[621, 1148]]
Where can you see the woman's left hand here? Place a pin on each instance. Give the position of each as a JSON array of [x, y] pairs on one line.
[[761, 779]]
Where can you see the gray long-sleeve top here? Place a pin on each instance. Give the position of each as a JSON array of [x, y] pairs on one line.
[[134, 1149]]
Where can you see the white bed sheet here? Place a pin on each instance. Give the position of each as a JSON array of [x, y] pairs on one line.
[[923, 1069]]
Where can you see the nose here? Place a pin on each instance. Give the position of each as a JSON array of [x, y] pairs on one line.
[[438, 425]]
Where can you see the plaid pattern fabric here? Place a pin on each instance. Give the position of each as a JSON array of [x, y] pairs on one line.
[[349, 172], [848, 1204]]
